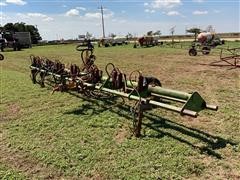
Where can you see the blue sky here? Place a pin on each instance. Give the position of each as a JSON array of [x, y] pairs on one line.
[[57, 19]]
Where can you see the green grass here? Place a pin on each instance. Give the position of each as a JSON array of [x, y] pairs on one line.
[[80, 138], [7, 173]]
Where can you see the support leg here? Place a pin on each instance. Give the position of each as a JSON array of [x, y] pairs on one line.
[[138, 125], [42, 75], [33, 76]]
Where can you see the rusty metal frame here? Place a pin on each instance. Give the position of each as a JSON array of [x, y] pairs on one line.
[[233, 59]]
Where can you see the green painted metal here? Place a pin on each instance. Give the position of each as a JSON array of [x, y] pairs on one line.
[[159, 90], [193, 103], [169, 92], [152, 102]]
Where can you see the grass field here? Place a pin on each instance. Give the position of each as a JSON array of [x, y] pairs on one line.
[[46, 136]]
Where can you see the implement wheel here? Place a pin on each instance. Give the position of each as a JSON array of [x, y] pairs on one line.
[[206, 50], [1, 57], [192, 52], [107, 45]]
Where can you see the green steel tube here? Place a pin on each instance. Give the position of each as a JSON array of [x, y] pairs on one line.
[[160, 91], [169, 92], [169, 98]]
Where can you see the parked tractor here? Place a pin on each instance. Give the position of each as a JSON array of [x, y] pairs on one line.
[[205, 42], [147, 41]]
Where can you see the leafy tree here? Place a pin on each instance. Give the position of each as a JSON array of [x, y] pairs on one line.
[[112, 35], [9, 27], [150, 33], [157, 33], [129, 36], [195, 31], [22, 27], [35, 36]]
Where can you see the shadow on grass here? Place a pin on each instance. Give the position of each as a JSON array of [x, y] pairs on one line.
[[157, 124], [212, 142]]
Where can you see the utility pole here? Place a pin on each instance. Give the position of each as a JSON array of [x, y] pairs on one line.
[[103, 29]]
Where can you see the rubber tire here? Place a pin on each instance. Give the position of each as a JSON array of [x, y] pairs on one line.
[[19, 48], [155, 82], [206, 50], [1, 57], [192, 52]]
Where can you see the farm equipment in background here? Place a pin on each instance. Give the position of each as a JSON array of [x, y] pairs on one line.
[[230, 57], [147, 41], [86, 40], [24, 39], [118, 40], [105, 42], [205, 42], [112, 41], [7, 40], [88, 80], [17, 40]]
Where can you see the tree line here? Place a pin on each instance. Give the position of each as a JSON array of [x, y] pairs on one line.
[[22, 27]]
